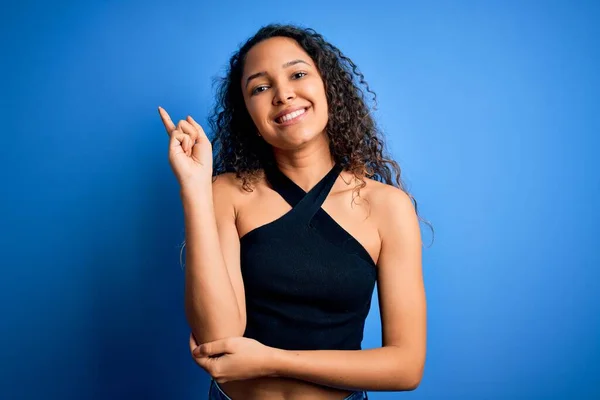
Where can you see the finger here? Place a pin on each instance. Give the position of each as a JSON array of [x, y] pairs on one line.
[[186, 144], [166, 119], [189, 129], [203, 362], [202, 134], [208, 364], [180, 140], [196, 125], [212, 349]]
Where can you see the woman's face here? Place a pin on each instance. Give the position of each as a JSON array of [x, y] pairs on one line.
[[284, 93]]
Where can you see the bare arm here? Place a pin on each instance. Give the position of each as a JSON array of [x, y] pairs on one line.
[[398, 365], [214, 290]]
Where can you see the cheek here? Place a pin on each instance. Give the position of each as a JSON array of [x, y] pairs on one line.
[[317, 92], [322, 106], [257, 112], [322, 115]]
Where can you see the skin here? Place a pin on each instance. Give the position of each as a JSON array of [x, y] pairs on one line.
[[382, 219]]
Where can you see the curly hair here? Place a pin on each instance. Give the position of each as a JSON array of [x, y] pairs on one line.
[[355, 142]]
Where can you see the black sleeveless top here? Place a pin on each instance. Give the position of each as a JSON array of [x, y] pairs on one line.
[[308, 282]]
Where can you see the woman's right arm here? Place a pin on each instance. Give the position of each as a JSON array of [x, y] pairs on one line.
[[214, 290]]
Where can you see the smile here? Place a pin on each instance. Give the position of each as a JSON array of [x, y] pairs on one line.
[[292, 117]]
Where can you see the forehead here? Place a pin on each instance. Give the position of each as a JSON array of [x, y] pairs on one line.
[[272, 53]]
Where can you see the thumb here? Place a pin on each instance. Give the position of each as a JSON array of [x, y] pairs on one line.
[[211, 349]]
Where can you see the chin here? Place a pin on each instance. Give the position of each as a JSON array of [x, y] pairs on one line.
[[293, 140]]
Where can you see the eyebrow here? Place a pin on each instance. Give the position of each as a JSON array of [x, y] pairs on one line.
[[286, 65]]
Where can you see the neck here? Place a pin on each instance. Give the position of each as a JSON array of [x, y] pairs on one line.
[[305, 166]]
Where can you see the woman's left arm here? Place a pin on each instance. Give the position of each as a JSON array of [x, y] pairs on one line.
[[397, 365]]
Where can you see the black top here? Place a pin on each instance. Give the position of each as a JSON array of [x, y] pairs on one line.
[[308, 282]]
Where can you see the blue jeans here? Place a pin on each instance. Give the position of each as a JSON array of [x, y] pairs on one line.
[[216, 393]]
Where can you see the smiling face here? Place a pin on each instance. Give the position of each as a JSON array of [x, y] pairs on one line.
[[284, 93]]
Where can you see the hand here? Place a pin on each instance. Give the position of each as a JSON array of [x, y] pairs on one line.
[[190, 151], [235, 358]]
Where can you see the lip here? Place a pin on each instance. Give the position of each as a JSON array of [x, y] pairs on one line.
[[287, 111]]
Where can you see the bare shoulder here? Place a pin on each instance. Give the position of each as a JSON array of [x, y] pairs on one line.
[[226, 181], [389, 205], [385, 197], [228, 188]]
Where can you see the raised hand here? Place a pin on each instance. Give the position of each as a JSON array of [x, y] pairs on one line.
[[190, 151]]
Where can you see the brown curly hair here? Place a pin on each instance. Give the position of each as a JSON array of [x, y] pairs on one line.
[[355, 141]]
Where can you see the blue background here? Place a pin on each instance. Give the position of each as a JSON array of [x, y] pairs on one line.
[[491, 108]]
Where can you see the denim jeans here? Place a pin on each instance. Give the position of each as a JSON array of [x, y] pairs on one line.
[[216, 393]]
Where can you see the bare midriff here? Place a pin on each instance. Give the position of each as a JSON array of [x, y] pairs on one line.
[[280, 389]]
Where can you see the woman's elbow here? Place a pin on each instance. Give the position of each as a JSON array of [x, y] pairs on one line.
[[414, 383], [409, 376], [407, 382]]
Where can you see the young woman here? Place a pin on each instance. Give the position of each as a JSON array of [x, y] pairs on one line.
[[291, 228]]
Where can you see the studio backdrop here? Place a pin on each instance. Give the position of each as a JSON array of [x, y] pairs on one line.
[[490, 108]]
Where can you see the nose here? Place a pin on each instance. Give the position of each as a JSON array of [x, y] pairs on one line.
[[283, 95]]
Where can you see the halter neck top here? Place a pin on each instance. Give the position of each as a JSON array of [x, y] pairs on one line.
[[308, 283]]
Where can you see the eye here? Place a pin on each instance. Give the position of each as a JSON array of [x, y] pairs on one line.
[[258, 89], [299, 75]]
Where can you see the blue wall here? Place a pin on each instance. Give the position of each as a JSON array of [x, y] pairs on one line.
[[491, 108]]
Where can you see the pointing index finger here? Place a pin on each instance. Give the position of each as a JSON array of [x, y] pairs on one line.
[[166, 119]]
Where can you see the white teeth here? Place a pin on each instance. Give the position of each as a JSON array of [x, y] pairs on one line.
[[291, 115]]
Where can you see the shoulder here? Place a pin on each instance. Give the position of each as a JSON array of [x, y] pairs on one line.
[[383, 197], [391, 207], [229, 189], [225, 185], [226, 181], [390, 198]]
